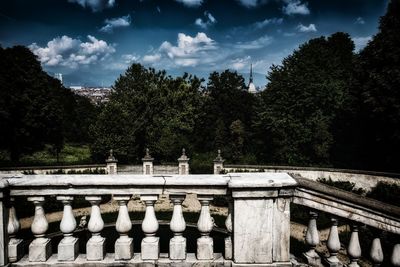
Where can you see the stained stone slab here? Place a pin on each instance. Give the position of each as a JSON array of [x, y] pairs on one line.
[[68, 249], [96, 249], [150, 248], [228, 248], [40, 250], [124, 249], [177, 248], [15, 250], [205, 248]]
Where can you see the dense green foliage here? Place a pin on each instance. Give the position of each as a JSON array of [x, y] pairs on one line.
[[324, 105]]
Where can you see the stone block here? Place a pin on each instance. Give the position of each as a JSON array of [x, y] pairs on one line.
[[177, 248], [68, 249], [124, 249], [96, 249], [15, 249], [205, 248], [333, 262], [150, 248], [228, 248], [40, 249], [312, 259]]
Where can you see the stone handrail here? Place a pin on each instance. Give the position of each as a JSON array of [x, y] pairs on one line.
[[258, 218]]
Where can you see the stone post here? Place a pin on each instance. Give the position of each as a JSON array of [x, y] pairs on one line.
[[111, 163], [395, 258], [177, 244], [333, 245], [261, 218], [15, 245], [312, 240], [228, 225], [40, 247], [205, 243], [354, 248], [3, 223], [147, 163], [95, 247], [124, 244], [183, 164], [218, 163], [68, 248], [151, 243], [376, 252]]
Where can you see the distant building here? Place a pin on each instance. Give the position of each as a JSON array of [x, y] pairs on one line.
[[251, 88], [58, 76], [97, 95]]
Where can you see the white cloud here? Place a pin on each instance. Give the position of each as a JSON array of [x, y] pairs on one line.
[[208, 21], [359, 20], [252, 3], [309, 28], [240, 63], [191, 3], [95, 5], [151, 58], [69, 52], [266, 22], [361, 42], [255, 44], [123, 21], [293, 7]]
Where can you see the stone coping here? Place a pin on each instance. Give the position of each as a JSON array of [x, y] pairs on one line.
[[55, 167], [340, 194], [260, 180]]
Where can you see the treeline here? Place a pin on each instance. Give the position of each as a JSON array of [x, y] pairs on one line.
[[325, 105], [35, 109]]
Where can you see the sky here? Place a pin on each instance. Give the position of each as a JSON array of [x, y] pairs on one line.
[[92, 42]]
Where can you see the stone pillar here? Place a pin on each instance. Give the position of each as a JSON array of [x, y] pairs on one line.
[[124, 244], [183, 164], [177, 244], [111, 164], [205, 244], [218, 163], [151, 243], [3, 222], [354, 249], [68, 248], [15, 245], [395, 258], [312, 240], [333, 245], [147, 163], [261, 218], [95, 247], [376, 252], [40, 247], [228, 225]]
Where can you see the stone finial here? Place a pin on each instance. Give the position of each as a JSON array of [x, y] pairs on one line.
[[219, 157], [147, 157], [111, 157], [183, 157]]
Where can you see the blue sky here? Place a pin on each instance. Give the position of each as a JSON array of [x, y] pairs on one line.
[[92, 42]]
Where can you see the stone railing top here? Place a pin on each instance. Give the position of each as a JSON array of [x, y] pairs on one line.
[[51, 167], [261, 180]]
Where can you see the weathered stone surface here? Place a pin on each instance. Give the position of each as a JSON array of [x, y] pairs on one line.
[[205, 248], [68, 249], [124, 249], [96, 249], [177, 248], [228, 248], [39, 249], [15, 249], [150, 248]]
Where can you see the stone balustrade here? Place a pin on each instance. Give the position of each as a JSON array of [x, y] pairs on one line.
[[257, 225]]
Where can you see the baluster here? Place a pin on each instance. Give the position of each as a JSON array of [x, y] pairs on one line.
[[395, 258], [15, 245], [312, 240], [95, 247], [40, 247], [124, 244], [151, 243], [205, 244], [177, 244], [354, 249], [68, 248], [376, 252], [333, 244], [228, 225]]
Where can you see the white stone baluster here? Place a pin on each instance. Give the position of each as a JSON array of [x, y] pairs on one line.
[[124, 244], [376, 252], [40, 247], [228, 225], [68, 248], [333, 244], [177, 244], [205, 244], [151, 243], [312, 239], [95, 247], [354, 249], [15, 245], [395, 258]]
